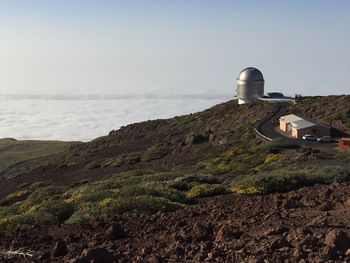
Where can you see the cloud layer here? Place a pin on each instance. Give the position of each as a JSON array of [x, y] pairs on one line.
[[84, 118]]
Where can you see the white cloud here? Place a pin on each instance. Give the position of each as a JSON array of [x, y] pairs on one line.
[[84, 117]]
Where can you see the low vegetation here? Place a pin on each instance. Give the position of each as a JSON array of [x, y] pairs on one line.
[[14, 152], [145, 168], [204, 190], [152, 153], [283, 180], [259, 169], [138, 190]]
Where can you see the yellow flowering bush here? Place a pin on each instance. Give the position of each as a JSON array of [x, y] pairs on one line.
[[106, 202], [25, 206], [74, 198], [249, 190], [273, 157], [18, 194], [6, 224], [203, 190]]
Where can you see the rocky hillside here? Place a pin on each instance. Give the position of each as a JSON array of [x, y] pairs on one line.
[[308, 225], [160, 145], [115, 193]]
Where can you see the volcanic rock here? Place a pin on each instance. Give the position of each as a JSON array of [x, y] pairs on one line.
[[278, 243], [156, 259], [338, 241], [59, 249], [276, 231], [347, 202], [291, 203], [202, 232], [227, 232], [115, 231], [326, 206], [96, 255]]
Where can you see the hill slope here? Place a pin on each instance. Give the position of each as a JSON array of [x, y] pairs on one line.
[[18, 156], [164, 166]]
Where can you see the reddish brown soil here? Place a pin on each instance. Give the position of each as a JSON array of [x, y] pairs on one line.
[[312, 224]]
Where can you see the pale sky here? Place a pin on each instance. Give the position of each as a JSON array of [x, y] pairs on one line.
[[172, 47]]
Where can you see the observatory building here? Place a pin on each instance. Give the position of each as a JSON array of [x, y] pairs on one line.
[[250, 85]]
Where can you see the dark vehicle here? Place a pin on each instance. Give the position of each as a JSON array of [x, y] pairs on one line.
[[325, 139], [275, 95], [309, 137]]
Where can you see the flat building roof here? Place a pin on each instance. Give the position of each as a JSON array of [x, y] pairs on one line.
[[302, 124], [290, 118]]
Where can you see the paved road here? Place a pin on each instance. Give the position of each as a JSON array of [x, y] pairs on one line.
[[268, 129]]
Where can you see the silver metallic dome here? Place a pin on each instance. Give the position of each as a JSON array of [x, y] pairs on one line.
[[251, 74], [250, 85]]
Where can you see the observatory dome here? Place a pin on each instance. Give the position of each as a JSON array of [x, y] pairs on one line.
[[250, 85], [251, 74]]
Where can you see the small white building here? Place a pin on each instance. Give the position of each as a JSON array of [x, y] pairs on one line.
[[297, 127]]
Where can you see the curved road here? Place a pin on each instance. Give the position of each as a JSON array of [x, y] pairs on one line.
[[268, 129]]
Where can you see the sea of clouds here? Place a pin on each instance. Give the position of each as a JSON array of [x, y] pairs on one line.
[[83, 118]]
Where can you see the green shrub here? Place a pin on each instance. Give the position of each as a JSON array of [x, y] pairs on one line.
[[146, 203], [152, 189], [122, 159], [36, 185], [154, 152], [114, 162], [45, 193], [132, 158], [273, 157], [203, 190], [93, 165], [153, 204], [289, 179], [15, 197], [275, 146], [161, 177], [338, 115], [58, 208], [138, 190], [179, 185], [85, 212]]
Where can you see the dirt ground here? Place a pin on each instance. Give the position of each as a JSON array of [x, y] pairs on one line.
[[308, 225]]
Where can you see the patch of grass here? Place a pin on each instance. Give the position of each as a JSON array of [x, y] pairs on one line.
[[14, 152]]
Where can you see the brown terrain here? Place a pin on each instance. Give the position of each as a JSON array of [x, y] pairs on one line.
[[311, 224], [293, 219]]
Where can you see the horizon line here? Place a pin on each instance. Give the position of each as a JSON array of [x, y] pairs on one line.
[[7, 96]]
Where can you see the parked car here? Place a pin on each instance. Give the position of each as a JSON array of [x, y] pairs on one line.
[[325, 139], [309, 137]]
